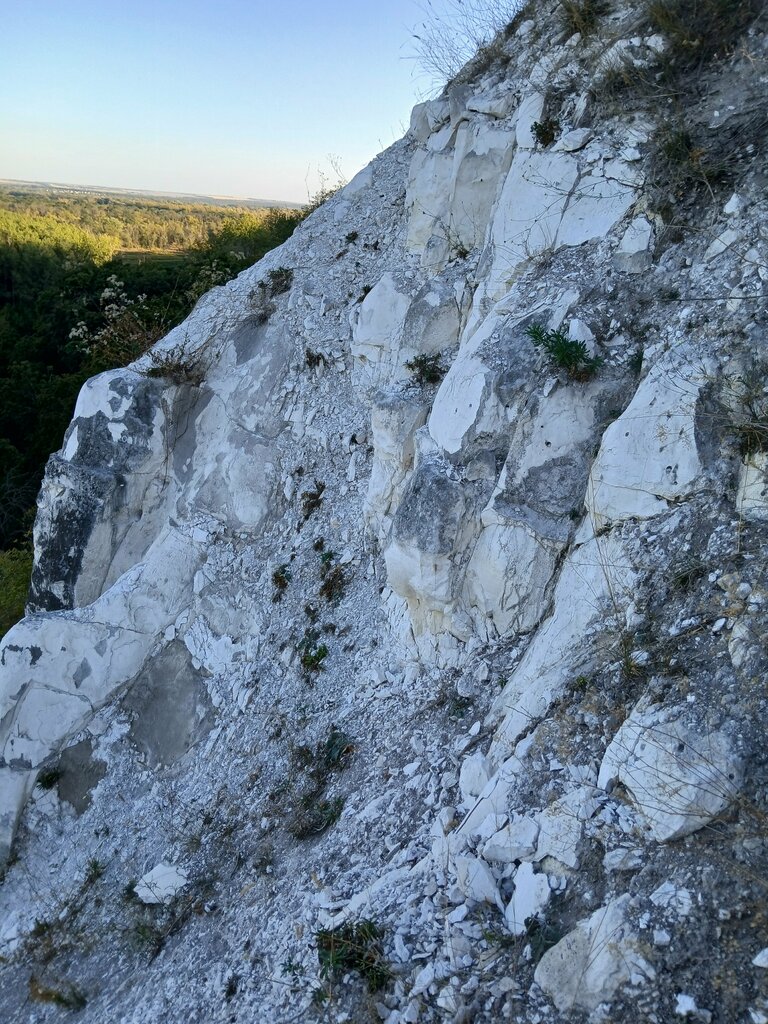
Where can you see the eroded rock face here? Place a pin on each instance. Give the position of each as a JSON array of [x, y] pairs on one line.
[[104, 501], [307, 557], [61, 669], [170, 705], [649, 455]]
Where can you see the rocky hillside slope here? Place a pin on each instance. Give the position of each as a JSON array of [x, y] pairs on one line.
[[396, 647]]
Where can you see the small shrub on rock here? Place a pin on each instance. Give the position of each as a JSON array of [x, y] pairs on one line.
[[334, 578], [426, 369], [565, 353], [583, 16], [545, 132], [315, 816], [280, 280], [281, 577], [355, 946], [177, 366], [312, 653], [65, 994]]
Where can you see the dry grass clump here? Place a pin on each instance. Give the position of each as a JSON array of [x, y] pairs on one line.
[[698, 30]]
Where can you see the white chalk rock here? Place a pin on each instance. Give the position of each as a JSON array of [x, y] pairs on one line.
[[593, 961], [559, 833], [752, 495], [573, 140], [529, 111], [476, 881], [531, 895], [648, 456], [593, 584], [515, 841], [724, 241], [162, 884], [635, 252], [546, 203], [679, 777], [395, 418], [377, 333], [474, 775], [507, 576]]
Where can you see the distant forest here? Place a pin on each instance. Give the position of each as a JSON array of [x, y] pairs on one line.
[[89, 282]]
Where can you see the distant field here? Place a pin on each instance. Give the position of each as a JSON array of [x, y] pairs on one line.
[[137, 223], [165, 255], [141, 194]]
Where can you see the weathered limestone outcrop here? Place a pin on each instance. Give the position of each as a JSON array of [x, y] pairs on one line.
[[104, 502], [473, 661]]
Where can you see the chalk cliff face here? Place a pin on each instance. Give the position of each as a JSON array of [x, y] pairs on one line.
[[354, 606]]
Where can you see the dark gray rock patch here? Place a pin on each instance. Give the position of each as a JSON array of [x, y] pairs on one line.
[[171, 707]]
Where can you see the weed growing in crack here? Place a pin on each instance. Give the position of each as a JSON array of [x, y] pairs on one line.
[[313, 359], [281, 577], [313, 816], [353, 947], [336, 751], [280, 280], [565, 353], [635, 362], [129, 891], [545, 132], [312, 500], [747, 397], [177, 366], [334, 579], [426, 369], [329, 756], [685, 573], [94, 871], [291, 968], [542, 935], [48, 778], [697, 32], [230, 990], [583, 16], [65, 994], [630, 666], [313, 768], [312, 653]]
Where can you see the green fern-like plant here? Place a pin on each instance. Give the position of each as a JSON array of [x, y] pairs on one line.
[[564, 352]]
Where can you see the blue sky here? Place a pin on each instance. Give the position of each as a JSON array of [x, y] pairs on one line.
[[235, 97]]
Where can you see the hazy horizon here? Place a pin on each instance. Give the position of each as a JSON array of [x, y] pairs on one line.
[[165, 97], [84, 186]]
